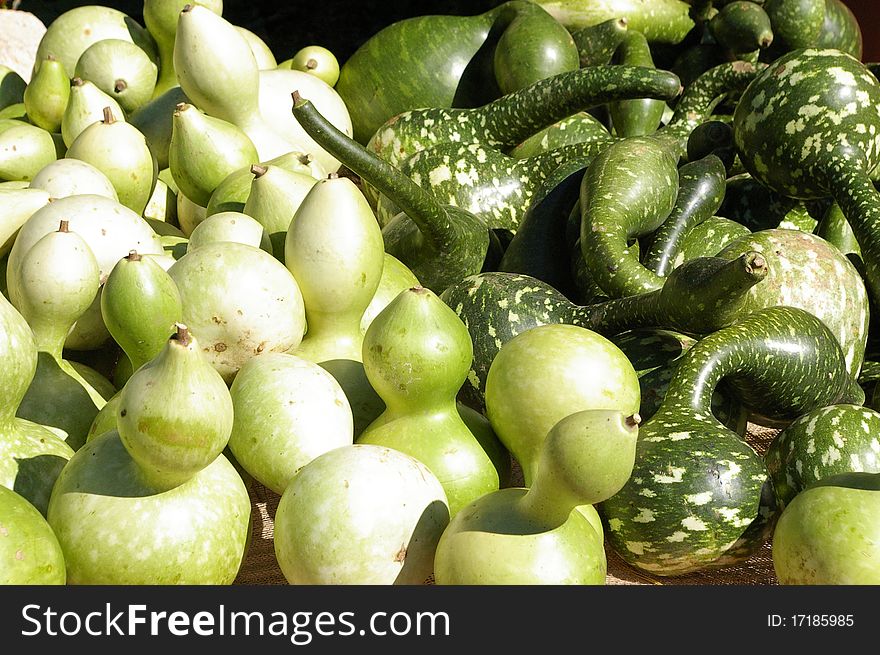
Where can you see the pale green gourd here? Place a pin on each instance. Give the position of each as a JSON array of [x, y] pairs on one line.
[[59, 280], [536, 535], [396, 277], [29, 552], [24, 149], [120, 151], [417, 354], [72, 177], [203, 151], [46, 95], [230, 226], [86, 106], [275, 195], [16, 206], [120, 69]]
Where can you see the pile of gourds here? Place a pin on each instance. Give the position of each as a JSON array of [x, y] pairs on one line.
[[596, 240]]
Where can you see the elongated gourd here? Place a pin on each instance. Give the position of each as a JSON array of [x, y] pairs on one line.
[[636, 116], [505, 536], [416, 356], [685, 453]]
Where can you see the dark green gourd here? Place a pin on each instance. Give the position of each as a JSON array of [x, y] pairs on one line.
[[795, 23], [457, 58], [507, 121], [494, 187], [581, 127], [741, 27], [701, 187], [821, 443], [708, 239], [699, 496], [441, 244], [701, 296], [758, 207], [840, 29], [834, 228], [809, 127], [596, 43], [714, 137]]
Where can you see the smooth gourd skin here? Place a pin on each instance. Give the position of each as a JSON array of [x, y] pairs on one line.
[[788, 360], [741, 27], [637, 116], [46, 95], [120, 69], [117, 528], [828, 535], [86, 106], [29, 551], [24, 150], [661, 21], [70, 177], [820, 444]]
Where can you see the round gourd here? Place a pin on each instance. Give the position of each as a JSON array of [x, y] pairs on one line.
[[29, 551]]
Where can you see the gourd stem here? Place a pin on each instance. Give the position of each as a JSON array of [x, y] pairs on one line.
[[419, 205]]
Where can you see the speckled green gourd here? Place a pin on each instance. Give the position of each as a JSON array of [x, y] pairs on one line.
[[120, 151], [806, 271], [31, 456], [29, 551], [24, 150], [46, 95], [741, 27], [701, 189], [85, 106], [822, 443], [636, 116], [203, 150], [828, 534], [699, 496], [416, 356], [627, 191], [661, 21], [275, 195], [840, 29], [440, 244], [580, 127], [751, 203], [58, 281], [505, 537], [795, 23], [120, 69], [708, 239], [829, 153], [701, 296], [512, 118], [596, 43]]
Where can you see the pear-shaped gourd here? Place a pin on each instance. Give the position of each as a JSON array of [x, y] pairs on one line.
[[315, 60], [535, 535], [16, 207], [584, 369], [24, 149], [175, 412], [72, 177], [84, 107], [203, 151], [12, 87], [76, 29], [276, 194], [230, 226], [360, 514], [259, 49], [31, 456], [59, 280], [288, 411], [417, 354], [46, 95], [240, 302], [160, 18], [120, 151], [120, 69], [229, 91], [29, 551], [110, 229], [140, 305]]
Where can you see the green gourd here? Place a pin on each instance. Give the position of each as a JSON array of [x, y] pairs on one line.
[[24, 150], [140, 305], [46, 95], [795, 23], [741, 27], [757, 207], [416, 356], [29, 551], [834, 228], [661, 21], [596, 43], [396, 277], [120, 69], [120, 151], [828, 534], [709, 238], [276, 194], [58, 281], [86, 106], [230, 226], [315, 60], [12, 87], [699, 496], [820, 444], [155, 121], [71, 177], [16, 207], [109, 509], [259, 49], [229, 92], [203, 150], [829, 154], [535, 535], [160, 19], [581, 127], [840, 29], [439, 243], [31, 456], [637, 116]]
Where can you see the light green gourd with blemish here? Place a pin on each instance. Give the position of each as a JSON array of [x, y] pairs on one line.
[[24, 150], [416, 356], [12, 87], [71, 177]]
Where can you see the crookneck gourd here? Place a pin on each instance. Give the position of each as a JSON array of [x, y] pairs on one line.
[[441, 244], [808, 127], [416, 355], [699, 496]]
